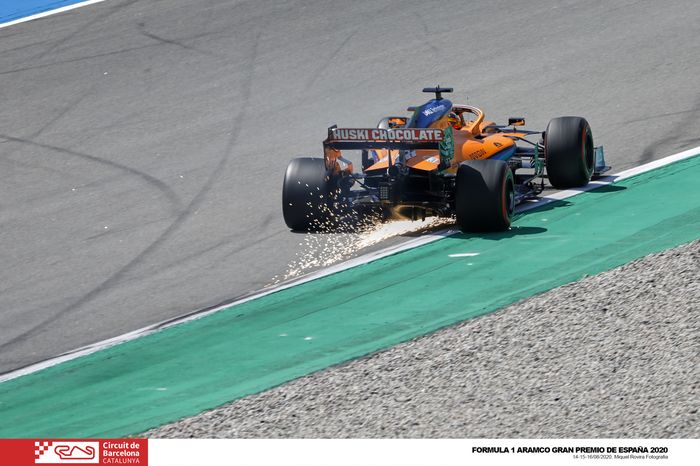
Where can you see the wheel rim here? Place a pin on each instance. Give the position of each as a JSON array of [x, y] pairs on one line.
[[508, 204], [511, 202], [587, 152]]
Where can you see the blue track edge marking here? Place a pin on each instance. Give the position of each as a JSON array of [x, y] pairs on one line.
[[11, 10]]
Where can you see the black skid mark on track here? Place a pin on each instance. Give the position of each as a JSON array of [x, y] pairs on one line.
[[319, 70], [428, 35], [22, 47], [151, 180], [160, 42], [101, 17], [183, 216], [677, 134], [79, 59], [52, 121], [65, 111], [178, 42], [245, 247]]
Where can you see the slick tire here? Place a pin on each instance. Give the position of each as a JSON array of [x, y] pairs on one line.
[[484, 196], [568, 152], [306, 195]]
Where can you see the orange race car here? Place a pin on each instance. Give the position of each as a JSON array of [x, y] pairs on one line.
[[444, 160]]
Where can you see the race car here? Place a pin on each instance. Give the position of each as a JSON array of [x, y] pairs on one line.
[[444, 160]]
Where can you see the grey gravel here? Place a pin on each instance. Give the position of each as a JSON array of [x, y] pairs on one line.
[[614, 355]]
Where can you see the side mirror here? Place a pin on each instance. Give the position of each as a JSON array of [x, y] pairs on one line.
[[513, 121]]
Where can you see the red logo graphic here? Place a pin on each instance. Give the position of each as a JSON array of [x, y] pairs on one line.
[[73, 452], [76, 453], [61, 451]]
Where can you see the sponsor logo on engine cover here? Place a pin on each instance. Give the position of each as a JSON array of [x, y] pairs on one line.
[[431, 110]]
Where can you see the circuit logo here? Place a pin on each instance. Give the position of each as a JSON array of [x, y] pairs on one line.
[[71, 452]]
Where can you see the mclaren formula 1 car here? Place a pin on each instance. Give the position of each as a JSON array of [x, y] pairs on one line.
[[443, 160]]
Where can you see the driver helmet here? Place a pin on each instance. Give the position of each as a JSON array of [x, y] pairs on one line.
[[454, 120]]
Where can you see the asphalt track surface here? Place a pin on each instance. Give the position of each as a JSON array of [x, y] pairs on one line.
[[143, 143]]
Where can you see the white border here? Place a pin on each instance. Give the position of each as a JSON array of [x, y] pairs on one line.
[[44, 14], [419, 452], [360, 260]]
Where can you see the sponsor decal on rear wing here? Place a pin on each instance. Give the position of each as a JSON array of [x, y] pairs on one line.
[[378, 138]]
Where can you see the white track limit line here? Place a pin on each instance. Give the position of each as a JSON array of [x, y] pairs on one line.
[[360, 260], [44, 14]]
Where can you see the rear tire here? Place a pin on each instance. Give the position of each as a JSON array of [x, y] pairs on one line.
[[568, 152], [306, 195], [485, 196]]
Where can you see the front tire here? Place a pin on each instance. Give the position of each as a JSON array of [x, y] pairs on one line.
[[568, 152], [306, 195], [485, 196]]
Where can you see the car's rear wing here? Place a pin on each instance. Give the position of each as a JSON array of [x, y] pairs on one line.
[[380, 138]]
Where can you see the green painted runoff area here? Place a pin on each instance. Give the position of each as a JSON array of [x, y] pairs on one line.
[[254, 346]]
